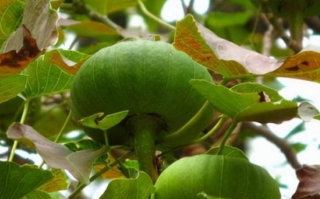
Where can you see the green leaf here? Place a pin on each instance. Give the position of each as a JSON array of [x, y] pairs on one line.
[[104, 7], [218, 176], [223, 99], [36, 194], [298, 147], [269, 112], [11, 86], [104, 123], [254, 103], [83, 145], [48, 76], [228, 151], [251, 87], [10, 17], [92, 29], [140, 187], [206, 196], [57, 183], [222, 19], [17, 181], [92, 120]]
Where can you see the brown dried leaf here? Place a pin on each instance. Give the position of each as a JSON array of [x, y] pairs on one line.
[[41, 21], [13, 62], [69, 66], [309, 186], [37, 32]]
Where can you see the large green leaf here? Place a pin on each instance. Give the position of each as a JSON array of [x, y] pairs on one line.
[[223, 99], [10, 17], [218, 176], [36, 194], [11, 86], [133, 188], [254, 102], [222, 19], [17, 181], [92, 29], [48, 75]]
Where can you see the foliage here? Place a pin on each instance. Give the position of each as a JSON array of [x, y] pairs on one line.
[[138, 105]]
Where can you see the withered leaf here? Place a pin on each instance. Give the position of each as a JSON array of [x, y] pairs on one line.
[[36, 33], [309, 185], [78, 163], [304, 65], [217, 54], [13, 62]]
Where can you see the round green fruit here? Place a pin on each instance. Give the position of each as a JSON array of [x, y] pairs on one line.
[[145, 77], [212, 176]]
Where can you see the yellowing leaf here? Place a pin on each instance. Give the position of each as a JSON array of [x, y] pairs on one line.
[[217, 54], [57, 183], [304, 65], [66, 64], [112, 173]]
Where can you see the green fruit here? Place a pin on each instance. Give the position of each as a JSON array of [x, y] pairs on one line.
[[215, 176], [144, 77]]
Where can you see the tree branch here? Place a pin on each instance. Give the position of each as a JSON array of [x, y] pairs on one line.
[[280, 143], [281, 32], [313, 23]]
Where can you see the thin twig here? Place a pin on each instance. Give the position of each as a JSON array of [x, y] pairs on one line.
[[313, 23], [152, 16], [280, 143]]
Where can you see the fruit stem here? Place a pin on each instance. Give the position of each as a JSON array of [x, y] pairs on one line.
[[221, 121], [22, 120], [296, 28], [226, 136], [144, 129]]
